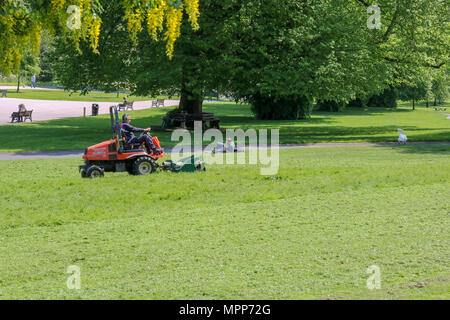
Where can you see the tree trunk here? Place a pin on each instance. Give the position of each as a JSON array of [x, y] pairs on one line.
[[428, 104], [18, 84], [414, 104], [435, 102], [191, 103]]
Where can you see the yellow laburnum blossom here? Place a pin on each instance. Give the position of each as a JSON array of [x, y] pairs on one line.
[[159, 16], [134, 21], [192, 10], [173, 26], [17, 34], [94, 33], [155, 21], [160, 13], [58, 5]]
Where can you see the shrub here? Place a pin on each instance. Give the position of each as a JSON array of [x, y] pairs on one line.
[[386, 99], [330, 106], [291, 107], [173, 112], [356, 103]]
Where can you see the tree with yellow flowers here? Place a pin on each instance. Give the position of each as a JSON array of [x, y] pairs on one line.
[[140, 64], [280, 56], [22, 22]]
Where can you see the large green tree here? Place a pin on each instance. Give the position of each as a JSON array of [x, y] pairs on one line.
[[270, 53], [425, 85], [413, 93], [198, 65], [440, 85], [46, 57], [28, 66], [324, 50], [302, 51], [84, 70]]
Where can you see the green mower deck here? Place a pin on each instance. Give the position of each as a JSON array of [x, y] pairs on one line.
[[189, 164]]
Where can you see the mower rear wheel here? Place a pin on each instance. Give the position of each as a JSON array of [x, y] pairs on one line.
[[144, 166], [94, 172]]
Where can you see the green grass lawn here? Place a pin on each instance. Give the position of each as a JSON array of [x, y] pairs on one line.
[[61, 95], [311, 231], [354, 125], [7, 82]]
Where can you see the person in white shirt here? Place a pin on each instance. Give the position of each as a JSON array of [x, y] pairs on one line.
[[228, 147]]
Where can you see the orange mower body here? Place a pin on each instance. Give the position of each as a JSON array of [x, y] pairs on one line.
[[116, 155]]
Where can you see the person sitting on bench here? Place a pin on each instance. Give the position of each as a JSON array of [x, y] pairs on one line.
[[124, 103], [21, 109], [128, 132]]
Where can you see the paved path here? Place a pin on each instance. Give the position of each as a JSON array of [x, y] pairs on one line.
[[28, 88], [49, 110], [79, 153], [362, 144], [40, 155]]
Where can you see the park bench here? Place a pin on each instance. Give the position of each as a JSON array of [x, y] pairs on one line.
[[3, 92], [204, 117], [440, 109], [158, 103], [182, 120], [130, 105], [126, 106], [22, 116], [177, 120]]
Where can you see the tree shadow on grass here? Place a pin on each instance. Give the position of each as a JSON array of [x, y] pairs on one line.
[[70, 133], [61, 134], [78, 133], [311, 134], [232, 117], [362, 112], [434, 149], [248, 122]]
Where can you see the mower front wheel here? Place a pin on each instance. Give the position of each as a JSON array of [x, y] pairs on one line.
[[144, 166], [94, 172]]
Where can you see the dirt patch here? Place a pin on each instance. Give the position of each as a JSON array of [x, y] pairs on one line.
[[424, 284]]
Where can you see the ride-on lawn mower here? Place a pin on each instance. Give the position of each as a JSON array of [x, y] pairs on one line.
[[116, 155]]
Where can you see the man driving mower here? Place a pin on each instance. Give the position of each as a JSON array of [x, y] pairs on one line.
[[128, 132]]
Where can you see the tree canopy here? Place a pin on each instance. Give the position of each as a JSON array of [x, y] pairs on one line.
[[141, 64], [269, 50], [22, 21], [324, 49]]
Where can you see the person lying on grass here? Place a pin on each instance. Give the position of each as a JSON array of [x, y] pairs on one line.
[[128, 132], [229, 146]]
